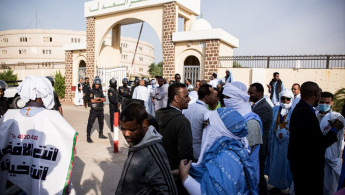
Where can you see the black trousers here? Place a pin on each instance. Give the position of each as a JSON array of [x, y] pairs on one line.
[[86, 102], [111, 112], [262, 180], [92, 117]]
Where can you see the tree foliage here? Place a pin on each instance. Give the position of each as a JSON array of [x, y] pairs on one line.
[[156, 69], [339, 100], [7, 75], [237, 65], [59, 85]]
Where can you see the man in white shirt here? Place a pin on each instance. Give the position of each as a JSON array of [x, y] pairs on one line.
[[214, 81], [142, 93], [189, 85], [160, 95], [195, 114]]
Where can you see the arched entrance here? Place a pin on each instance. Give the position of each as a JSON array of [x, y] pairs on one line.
[[82, 69], [192, 68]]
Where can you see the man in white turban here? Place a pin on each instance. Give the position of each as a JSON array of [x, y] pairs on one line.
[[277, 164], [236, 97], [36, 144]]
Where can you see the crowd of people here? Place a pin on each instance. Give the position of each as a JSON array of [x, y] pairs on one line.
[[221, 136]]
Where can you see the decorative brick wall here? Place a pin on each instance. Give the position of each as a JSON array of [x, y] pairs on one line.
[[169, 27], [90, 48], [68, 75], [211, 58]]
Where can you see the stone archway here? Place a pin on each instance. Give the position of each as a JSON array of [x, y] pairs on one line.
[[82, 69]]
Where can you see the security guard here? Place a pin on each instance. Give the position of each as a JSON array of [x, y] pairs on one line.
[[3, 101], [113, 101], [97, 98], [57, 104], [86, 91], [124, 93]]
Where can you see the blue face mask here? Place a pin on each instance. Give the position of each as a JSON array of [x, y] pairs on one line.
[[324, 107]]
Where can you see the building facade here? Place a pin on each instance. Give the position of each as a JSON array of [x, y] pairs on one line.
[[41, 52]]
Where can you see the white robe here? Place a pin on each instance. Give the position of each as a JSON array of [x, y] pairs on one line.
[[78, 98], [143, 93], [38, 147]]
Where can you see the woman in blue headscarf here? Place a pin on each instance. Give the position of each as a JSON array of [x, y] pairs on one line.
[[224, 165]]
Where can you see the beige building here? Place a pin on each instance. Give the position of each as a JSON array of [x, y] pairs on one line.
[[41, 52]]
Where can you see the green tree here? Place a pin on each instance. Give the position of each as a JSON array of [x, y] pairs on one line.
[[7, 75], [156, 69], [237, 65], [339, 100], [59, 85]]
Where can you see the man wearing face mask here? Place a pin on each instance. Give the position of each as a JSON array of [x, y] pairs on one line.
[[332, 170], [236, 97], [307, 143], [278, 169]]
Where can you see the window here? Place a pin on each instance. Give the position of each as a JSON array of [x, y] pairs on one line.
[[47, 39], [141, 69], [140, 48], [50, 39], [4, 52], [72, 40], [141, 59], [43, 51], [23, 39], [78, 40], [22, 51], [4, 40]]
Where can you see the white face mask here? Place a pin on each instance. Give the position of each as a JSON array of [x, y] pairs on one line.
[[285, 106], [230, 102]]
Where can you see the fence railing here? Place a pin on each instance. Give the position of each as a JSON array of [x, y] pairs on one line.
[[296, 62], [34, 65]]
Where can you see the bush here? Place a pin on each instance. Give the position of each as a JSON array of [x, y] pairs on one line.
[[59, 85], [156, 69], [7, 75], [339, 100]]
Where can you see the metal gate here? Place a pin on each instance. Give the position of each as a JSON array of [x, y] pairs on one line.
[[81, 73], [106, 74], [192, 73]]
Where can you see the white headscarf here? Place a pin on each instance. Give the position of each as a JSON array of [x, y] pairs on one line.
[[285, 107], [237, 91], [34, 87]]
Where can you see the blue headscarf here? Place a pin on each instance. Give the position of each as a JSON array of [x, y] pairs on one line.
[[225, 167]]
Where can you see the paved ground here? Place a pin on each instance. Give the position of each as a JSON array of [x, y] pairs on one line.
[[96, 169]]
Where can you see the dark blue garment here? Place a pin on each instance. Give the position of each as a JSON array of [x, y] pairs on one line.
[[226, 169], [342, 175]]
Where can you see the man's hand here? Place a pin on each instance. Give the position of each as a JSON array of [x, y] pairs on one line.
[[269, 86], [184, 168], [336, 124]]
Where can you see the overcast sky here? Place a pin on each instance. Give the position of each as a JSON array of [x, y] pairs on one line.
[[264, 27]]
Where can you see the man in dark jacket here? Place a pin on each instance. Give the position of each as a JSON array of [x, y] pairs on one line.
[[146, 170], [307, 144], [113, 101], [264, 110], [176, 129], [275, 87], [86, 91], [124, 93]]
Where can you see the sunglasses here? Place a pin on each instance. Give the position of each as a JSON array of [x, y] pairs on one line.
[[285, 98]]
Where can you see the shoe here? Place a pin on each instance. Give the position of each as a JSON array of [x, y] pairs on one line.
[[101, 136], [112, 129], [89, 140]]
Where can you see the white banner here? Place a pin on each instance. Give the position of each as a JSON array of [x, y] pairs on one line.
[[37, 152]]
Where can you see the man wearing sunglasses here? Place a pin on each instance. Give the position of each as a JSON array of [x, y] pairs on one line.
[[279, 174]]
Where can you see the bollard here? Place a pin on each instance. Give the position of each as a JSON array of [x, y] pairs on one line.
[[116, 132]]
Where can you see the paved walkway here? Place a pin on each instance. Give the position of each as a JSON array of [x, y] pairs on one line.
[[96, 169]]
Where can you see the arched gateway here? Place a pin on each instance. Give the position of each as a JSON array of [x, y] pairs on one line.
[[196, 40]]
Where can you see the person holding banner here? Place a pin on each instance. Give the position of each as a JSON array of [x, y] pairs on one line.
[[113, 101], [37, 144]]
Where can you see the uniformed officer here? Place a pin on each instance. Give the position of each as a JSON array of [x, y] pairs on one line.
[[86, 91], [97, 98], [124, 93], [113, 101], [57, 104], [3, 100]]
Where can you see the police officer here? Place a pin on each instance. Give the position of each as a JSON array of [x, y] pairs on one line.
[[97, 98], [3, 101], [124, 93], [113, 101], [57, 104], [86, 91]]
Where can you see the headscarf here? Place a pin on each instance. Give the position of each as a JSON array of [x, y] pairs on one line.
[[230, 78], [285, 107], [237, 91], [224, 121], [224, 155], [33, 87]]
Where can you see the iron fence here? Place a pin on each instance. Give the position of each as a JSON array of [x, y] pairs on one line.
[[296, 62]]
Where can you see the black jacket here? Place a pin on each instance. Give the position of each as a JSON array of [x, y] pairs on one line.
[[264, 110], [113, 99], [177, 135], [307, 147], [278, 88]]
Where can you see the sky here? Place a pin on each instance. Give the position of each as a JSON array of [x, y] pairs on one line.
[[263, 27]]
